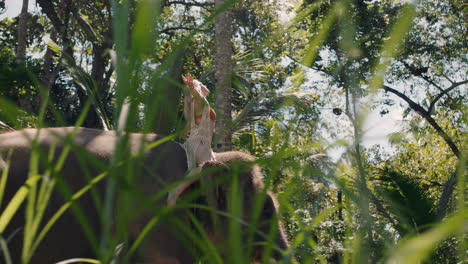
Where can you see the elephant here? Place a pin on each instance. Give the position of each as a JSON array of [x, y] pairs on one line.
[[155, 170]]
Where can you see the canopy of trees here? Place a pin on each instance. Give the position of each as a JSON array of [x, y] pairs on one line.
[[290, 81]]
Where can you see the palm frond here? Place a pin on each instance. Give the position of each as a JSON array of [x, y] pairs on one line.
[[266, 104], [248, 67], [84, 81], [408, 201]]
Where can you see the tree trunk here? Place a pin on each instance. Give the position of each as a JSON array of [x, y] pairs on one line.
[[223, 72], [340, 204], [22, 28], [100, 63], [24, 101], [48, 77], [59, 32], [47, 67]]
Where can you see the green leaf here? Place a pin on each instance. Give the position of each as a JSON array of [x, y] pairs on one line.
[[418, 248]]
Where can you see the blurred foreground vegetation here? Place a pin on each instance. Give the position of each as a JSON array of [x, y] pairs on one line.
[[306, 75]]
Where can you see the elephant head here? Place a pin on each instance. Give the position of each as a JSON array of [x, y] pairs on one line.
[[239, 209]]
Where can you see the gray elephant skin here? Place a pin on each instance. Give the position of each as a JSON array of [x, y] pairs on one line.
[[91, 152]]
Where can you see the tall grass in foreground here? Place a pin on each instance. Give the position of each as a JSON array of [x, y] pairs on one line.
[[131, 50]]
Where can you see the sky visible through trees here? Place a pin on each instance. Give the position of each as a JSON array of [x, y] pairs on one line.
[[355, 109], [377, 128]]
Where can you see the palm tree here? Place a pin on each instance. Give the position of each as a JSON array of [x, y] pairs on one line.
[[223, 71]]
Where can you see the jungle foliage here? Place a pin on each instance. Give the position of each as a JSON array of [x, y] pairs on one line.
[[305, 76]]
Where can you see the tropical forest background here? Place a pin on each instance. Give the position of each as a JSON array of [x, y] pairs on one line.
[[295, 83]]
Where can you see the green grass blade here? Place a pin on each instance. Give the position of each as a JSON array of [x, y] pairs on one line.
[[418, 248], [16, 202], [316, 42], [392, 46], [4, 176], [5, 250], [79, 260], [64, 208]]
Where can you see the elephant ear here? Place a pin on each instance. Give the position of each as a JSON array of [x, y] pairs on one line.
[[217, 178], [211, 183], [202, 185], [213, 187]]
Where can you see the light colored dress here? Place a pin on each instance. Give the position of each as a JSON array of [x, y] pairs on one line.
[[198, 143]]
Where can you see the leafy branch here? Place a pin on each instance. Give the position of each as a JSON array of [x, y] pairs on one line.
[[449, 185], [426, 115], [444, 92], [264, 105], [205, 5]]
